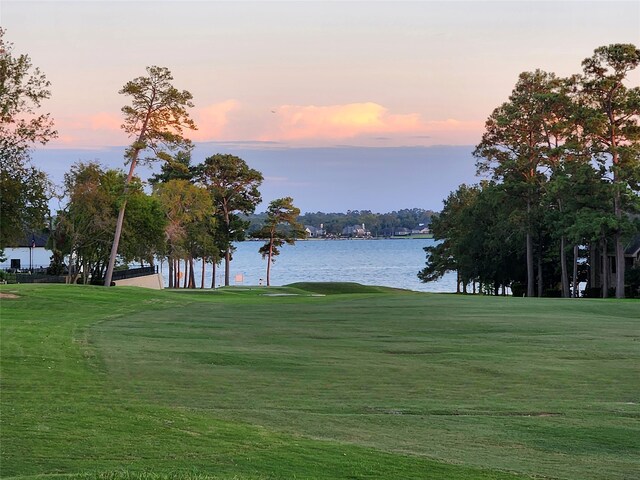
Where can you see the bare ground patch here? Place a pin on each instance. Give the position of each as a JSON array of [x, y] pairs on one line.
[[8, 295]]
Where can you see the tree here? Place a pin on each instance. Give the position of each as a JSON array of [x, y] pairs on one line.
[[156, 119], [476, 239], [234, 190], [281, 226], [201, 235], [186, 206], [449, 227], [175, 167], [513, 148], [24, 189], [24, 195], [22, 89], [83, 229], [613, 131], [143, 233], [563, 151]]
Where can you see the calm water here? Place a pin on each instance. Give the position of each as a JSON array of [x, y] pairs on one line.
[[393, 263]]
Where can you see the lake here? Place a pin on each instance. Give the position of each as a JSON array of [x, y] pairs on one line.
[[392, 263]]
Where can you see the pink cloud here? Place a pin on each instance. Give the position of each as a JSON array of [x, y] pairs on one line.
[[213, 120], [89, 131], [367, 124], [105, 121], [304, 123], [295, 122]]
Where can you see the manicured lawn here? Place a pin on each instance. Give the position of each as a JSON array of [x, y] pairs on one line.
[[125, 383]]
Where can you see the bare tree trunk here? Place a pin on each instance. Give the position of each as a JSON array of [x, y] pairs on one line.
[[170, 272], [619, 265], [474, 287], [530, 273], [175, 273], [70, 273], [213, 275], [85, 272], [204, 267], [619, 248], [116, 239], [605, 269], [617, 208], [540, 282], [227, 265], [457, 281], [191, 279], [178, 273], [120, 221], [186, 274], [192, 275], [269, 265], [593, 265], [575, 271], [563, 264]]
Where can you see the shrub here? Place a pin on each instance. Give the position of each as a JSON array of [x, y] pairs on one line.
[[56, 267], [592, 292], [632, 280], [518, 289], [553, 293]]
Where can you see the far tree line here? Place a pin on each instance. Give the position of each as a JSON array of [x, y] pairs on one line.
[[561, 201], [333, 224]]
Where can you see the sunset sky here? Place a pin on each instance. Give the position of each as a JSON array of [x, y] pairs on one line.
[[345, 77]]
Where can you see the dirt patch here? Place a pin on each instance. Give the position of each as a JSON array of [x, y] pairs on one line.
[[8, 295], [280, 294], [291, 295]]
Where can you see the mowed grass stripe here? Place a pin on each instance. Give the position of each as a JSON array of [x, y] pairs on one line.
[[172, 381]]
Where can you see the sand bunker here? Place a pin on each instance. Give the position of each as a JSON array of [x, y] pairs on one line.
[[291, 295], [8, 295]]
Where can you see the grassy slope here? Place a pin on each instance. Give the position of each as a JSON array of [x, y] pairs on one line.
[[368, 385]]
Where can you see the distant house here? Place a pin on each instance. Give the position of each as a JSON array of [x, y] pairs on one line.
[[33, 240], [421, 229], [631, 259], [29, 252], [315, 232], [358, 231], [632, 253], [402, 232]]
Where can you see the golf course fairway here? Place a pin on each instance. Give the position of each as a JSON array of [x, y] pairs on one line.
[[315, 381]]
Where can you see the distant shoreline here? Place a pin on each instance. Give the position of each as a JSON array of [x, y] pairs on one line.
[[421, 236]]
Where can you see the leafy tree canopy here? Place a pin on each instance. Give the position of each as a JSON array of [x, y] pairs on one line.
[[24, 189]]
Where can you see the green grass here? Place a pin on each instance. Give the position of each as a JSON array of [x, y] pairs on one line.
[[365, 382], [336, 288]]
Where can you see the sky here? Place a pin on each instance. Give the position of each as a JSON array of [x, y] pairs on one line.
[[342, 105]]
